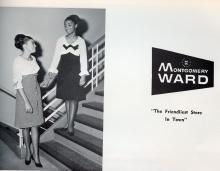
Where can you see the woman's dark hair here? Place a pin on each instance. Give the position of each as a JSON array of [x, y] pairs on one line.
[[73, 18], [20, 40]]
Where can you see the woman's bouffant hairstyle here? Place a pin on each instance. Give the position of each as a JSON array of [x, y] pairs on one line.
[[20, 40], [73, 18]]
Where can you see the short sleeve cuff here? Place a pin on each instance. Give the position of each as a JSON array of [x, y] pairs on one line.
[[53, 70], [18, 86], [83, 73]]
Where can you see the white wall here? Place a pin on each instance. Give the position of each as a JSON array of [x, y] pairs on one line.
[[134, 137], [45, 25]]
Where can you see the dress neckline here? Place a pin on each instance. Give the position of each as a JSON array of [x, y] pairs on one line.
[[77, 37], [32, 59]]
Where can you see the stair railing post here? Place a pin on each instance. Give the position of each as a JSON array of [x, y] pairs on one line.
[[97, 64], [92, 68], [21, 139]]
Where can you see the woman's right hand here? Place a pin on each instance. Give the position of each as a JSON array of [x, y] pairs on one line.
[[44, 84], [28, 107]]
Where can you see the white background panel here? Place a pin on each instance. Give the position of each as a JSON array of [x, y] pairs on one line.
[[135, 138]]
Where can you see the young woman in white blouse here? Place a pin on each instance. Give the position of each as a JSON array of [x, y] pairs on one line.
[[28, 115], [70, 66]]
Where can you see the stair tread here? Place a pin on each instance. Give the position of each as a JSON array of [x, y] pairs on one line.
[[100, 93], [12, 132], [47, 112], [94, 105], [90, 121], [68, 157], [9, 127], [41, 130], [50, 110], [87, 141], [47, 124]]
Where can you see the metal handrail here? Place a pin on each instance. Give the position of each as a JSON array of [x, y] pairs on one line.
[[8, 92], [98, 41]]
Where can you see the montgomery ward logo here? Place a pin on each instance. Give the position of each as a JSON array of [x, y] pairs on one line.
[[173, 72]]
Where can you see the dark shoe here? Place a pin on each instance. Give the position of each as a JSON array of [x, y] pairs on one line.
[[27, 162], [70, 133], [36, 164]]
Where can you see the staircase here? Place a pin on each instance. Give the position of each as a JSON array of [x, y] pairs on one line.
[[83, 151]]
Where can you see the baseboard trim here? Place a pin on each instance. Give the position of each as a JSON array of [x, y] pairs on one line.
[[8, 136]]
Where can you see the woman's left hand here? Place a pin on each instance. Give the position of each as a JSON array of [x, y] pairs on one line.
[[82, 80]]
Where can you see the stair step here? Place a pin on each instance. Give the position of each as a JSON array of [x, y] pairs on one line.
[[90, 121], [50, 110], [94, 105], [96, 158], [9, 136], [68, 157], [93, 97], [99, 93], [41, 130], [47, 124], [87, 141], [3, 125], [89, 130], [12, 132], [90, 112], [47, 112]]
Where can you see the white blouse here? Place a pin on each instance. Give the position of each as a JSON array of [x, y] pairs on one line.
[[22, 67], [60, 50]]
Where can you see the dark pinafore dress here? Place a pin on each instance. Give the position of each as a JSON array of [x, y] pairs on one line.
[[68, 78]]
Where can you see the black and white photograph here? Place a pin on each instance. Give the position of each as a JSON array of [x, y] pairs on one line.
[[52, 88], [110, 85]]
